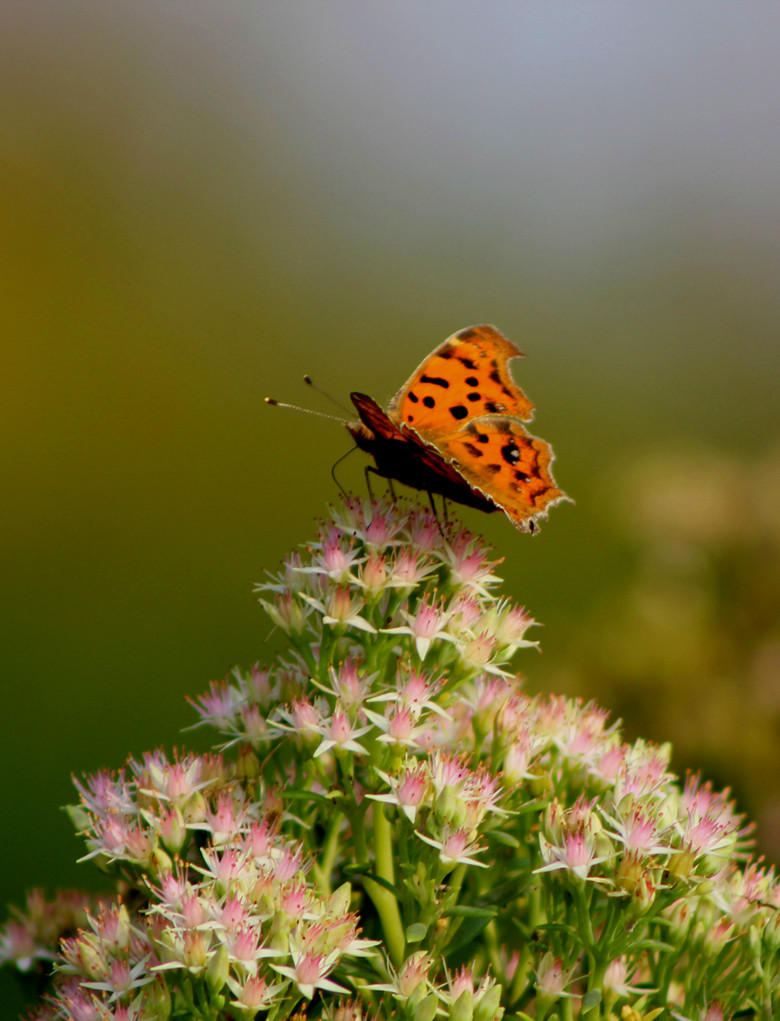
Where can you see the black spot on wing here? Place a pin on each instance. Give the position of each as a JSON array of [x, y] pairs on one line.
[[435, 381], [458, 411], [429, 402], [510, 452]]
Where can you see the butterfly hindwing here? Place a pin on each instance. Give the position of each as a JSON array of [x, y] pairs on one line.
[[501, 460]]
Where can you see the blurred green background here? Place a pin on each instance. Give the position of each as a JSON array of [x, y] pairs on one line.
[[203, 201]]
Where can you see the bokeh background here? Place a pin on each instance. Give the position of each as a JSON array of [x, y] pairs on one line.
[[203, 201]]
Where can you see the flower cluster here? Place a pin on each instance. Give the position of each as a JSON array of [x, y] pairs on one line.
[[393, 827]]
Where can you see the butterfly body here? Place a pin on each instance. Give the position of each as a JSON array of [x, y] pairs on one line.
[[456, 429], [400, 454]]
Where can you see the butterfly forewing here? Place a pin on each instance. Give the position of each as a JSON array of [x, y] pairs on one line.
[[466, 377]]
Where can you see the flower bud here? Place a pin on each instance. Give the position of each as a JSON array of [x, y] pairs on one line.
[[248, 764], [771, 933], [158, 1000], [680, 865], [679, 917], [162, 861], [218, 969], [338, 902], [194, 947], [172, 831], [643, 895], [488, 1006], [628, 873], [426, 1009], [463, 1007], [79, 818], [446, 807]]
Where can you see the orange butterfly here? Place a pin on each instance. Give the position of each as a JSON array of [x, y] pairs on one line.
[[455, 428]]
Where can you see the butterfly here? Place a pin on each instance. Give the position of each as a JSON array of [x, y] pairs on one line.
[[455, 428]]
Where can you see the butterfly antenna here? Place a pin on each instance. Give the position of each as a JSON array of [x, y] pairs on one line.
[[306, 411], [310, 382], [335, 465]]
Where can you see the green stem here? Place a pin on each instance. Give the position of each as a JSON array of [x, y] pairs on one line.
[[382, 898], [596, 965], [536, 916], [323, 866]]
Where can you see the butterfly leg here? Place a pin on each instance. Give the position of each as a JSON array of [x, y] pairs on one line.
[[371, 470], [368, 472], [436, 513]]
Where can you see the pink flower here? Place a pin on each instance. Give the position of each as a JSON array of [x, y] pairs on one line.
[[332, 560], [309, 971], [340, 732], [408, 569], [456, 846], [425, 626], [341, 610], [641, 832], [409, 790], [572, 839], [254, 994], [552, 978], [424, 532]]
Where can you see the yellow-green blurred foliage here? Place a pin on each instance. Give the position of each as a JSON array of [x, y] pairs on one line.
[[201, 202], [687, 647]]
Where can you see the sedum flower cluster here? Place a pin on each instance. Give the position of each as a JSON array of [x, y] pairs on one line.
[[393, 828]]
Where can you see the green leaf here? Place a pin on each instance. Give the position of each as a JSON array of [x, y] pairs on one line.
[[303, 795], [652, 944], [591, 999], [467, 933], [502, 837], [416, 932], [469, 911]]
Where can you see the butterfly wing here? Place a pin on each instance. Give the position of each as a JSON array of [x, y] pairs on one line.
[[502, 462], [466, 377], [456, 428], [463, 401]]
